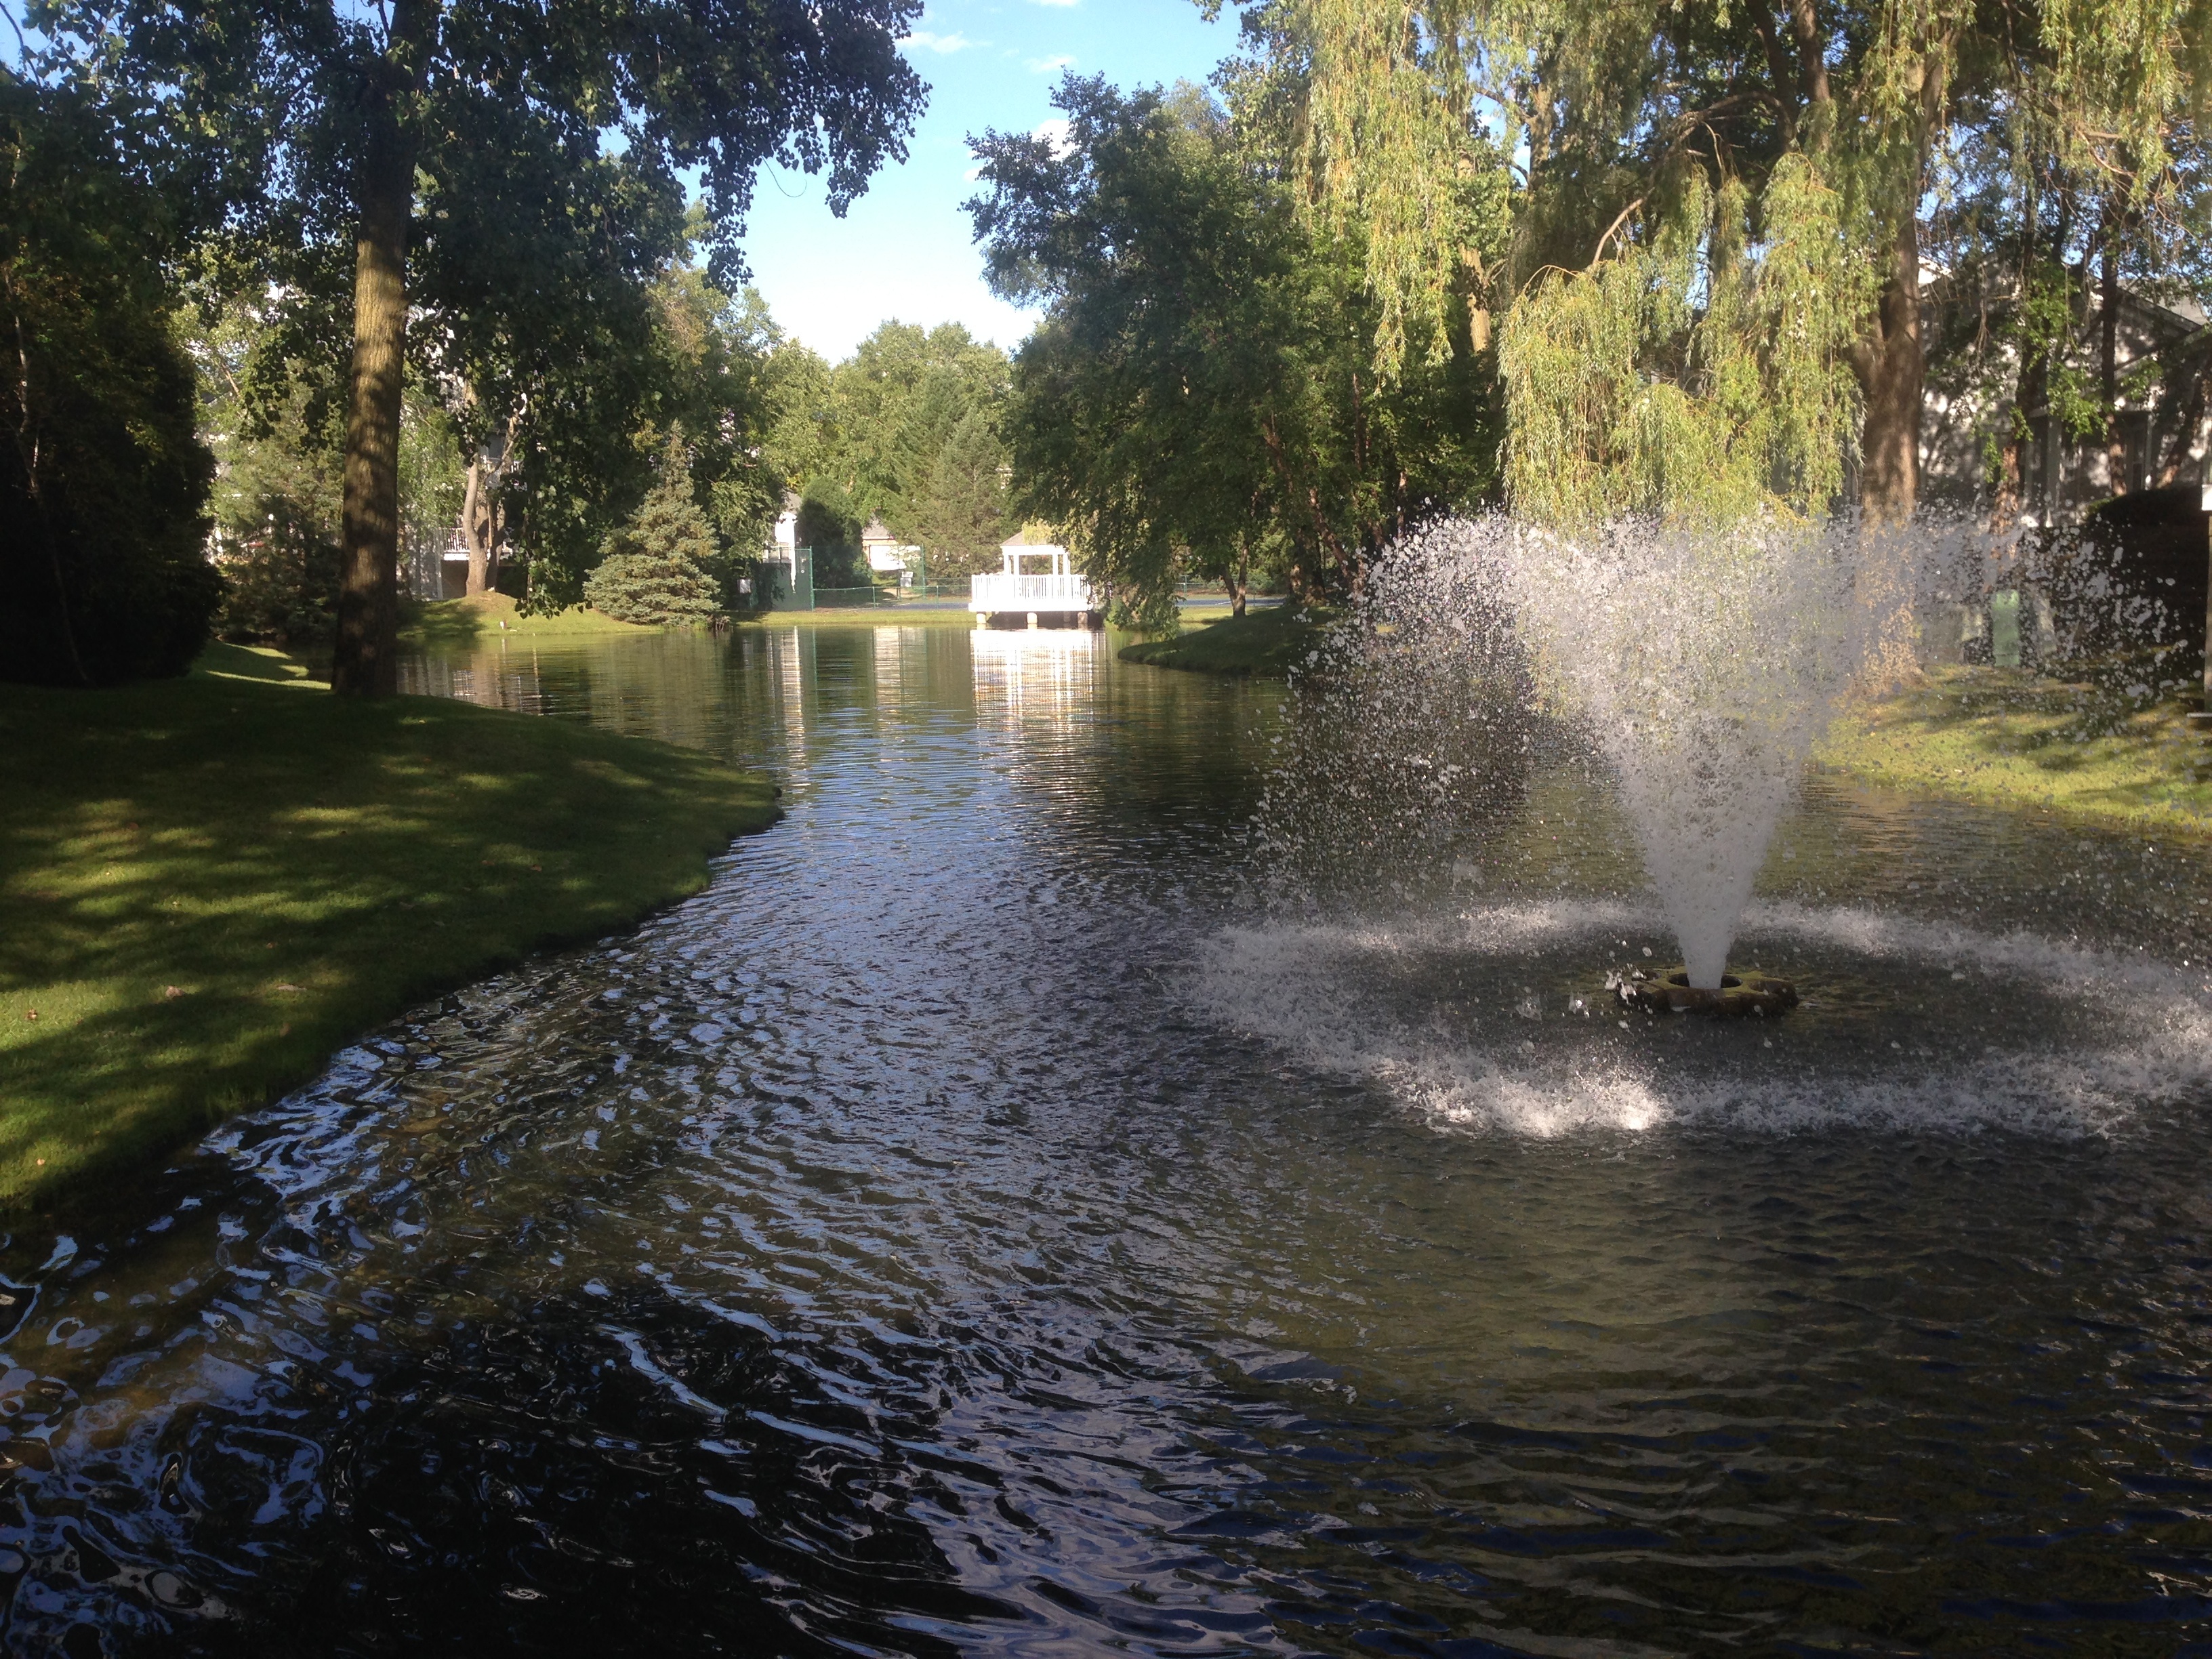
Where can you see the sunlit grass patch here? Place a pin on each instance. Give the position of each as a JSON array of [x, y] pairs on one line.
[[207, 884], [2104, 746]]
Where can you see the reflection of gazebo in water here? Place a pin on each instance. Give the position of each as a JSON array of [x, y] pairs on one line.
[[1025, 675], [1015, 597]]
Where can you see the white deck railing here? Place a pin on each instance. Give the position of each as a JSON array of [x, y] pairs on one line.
[[999, 592]]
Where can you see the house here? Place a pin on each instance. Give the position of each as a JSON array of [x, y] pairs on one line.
[[2163, 361], [2114, 553], [888, 556], [787, 569]]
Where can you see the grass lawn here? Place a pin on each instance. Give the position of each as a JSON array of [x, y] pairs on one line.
[[463, 622], [2099, 748], [863, 615], [209, 884], [1260, 642]]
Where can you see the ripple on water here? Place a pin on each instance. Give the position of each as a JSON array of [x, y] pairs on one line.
[[1497, 1017], [948, 1234]]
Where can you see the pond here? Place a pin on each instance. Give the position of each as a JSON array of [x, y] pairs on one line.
[[977, 1224]]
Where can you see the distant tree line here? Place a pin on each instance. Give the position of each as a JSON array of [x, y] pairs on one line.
[[909, 430]]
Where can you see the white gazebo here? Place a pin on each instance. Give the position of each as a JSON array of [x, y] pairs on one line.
[[1055, 592]]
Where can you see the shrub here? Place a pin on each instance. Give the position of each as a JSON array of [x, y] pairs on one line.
[[277, 529], [103, 573], [280, 580]]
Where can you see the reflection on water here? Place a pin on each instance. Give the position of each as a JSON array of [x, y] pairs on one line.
[[968, 1227]]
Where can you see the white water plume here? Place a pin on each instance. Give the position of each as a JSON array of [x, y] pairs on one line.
[[1706, 664]]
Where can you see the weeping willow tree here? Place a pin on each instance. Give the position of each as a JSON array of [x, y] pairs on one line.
[[1711, 297], [1700, 376]]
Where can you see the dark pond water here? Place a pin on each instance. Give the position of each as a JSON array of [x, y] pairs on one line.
[[972, 1227]]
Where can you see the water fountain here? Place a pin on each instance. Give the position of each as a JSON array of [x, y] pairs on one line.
[[1699, 667], [1706, 666], [1535, 769]]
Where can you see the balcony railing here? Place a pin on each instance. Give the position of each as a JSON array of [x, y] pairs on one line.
[[998, 591]]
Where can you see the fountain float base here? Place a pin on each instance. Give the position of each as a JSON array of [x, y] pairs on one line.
[[1669, 990]]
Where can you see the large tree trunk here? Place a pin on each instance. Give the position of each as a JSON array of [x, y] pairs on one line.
[[364, 662], [1891, 372], [476, 530]]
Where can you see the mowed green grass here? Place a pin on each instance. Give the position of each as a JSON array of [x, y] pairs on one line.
[[2101, 748], [1273, 641], [207, 886], [863, 615], [465, 621]]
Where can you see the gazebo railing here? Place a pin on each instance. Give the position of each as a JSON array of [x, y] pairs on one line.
[[996, 591]]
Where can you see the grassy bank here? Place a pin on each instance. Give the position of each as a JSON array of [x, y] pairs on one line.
[[465, 621], [864, 616], [1260, 642], [2102, 750], [209, 884]]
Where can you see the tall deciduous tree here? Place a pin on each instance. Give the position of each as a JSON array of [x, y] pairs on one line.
[[1621, 109], [958, 512], [412, 134], [1201, 391]]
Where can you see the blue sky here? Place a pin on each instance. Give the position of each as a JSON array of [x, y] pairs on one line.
[[903, 251]]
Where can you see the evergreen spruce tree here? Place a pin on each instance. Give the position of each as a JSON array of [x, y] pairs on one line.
[[657, 565]]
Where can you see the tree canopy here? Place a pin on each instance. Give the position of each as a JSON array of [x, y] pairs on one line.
[[1751, 186], [1200, 397], [906, 430], [104, 480], [508, 177]]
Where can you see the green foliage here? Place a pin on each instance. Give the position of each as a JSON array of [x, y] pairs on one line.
[[906, 430], [653, 589], [1863, 124], [277, 438], [1201, 398], [959, 516], [431, 475], [657, 568], [524, 173], [103, 481], [276, 492], [301, 867], [1701, 376]]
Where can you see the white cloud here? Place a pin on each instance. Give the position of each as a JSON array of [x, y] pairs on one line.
[[1055, 133], [941, 44], [1055, 2], [1047, 65]]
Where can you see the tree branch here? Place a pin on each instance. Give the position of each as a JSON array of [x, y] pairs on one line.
[[1777, 70]]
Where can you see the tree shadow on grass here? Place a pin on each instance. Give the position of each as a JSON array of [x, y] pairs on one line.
[[2103, 737], [208, 885], [442, 623]]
